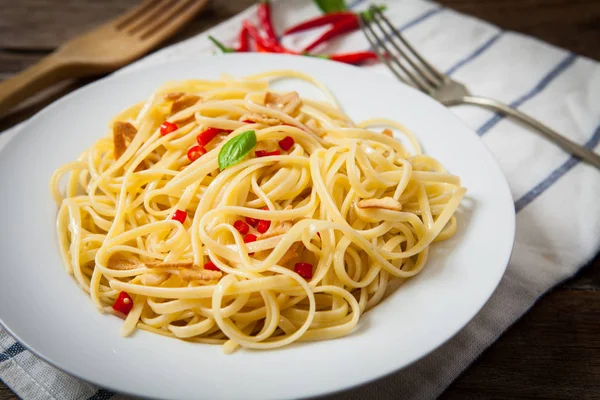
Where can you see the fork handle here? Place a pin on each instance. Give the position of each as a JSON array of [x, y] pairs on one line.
[[566, 144], [48, 71]]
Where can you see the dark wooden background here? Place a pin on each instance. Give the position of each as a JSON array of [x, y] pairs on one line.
[[553, 352]]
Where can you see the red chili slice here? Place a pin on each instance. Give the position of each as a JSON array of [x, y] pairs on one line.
[[206, 136], [286, 143], [305, 270], [123, 303], [249, 238], [263, 225], [211, 266], [241, 226], [252, 221], [264, 153], [263, 44], [167, 127], [180, 216], [195, 152]]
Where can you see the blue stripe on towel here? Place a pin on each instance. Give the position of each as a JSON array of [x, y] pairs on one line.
[[101, 394], [421, 18], [543, 83], [12, 351], [556, 71], [355, 3], [17, 348], [555, 175], [475, 54]]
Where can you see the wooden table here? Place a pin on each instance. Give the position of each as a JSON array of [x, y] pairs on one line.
[[554, 350]]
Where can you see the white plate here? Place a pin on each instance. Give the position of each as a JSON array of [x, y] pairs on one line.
[[42, 306]]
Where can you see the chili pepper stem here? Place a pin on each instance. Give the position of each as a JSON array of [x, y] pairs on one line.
[[221, 46]]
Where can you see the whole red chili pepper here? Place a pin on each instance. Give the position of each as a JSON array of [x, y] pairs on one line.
[[244, 40], [344, 26], [261, 49], [264, 45], [226, 49], [244, 45], [353, 58], [347, 58], [323, 20], [266, 22], [342, 22]]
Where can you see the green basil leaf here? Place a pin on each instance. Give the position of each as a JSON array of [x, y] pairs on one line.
[[329, 6], [236, 149]]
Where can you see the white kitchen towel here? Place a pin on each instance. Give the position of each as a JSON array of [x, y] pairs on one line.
[[555, 195]]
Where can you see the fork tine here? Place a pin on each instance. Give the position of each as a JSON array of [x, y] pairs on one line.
[[378, 45], [423, 73], [123, 20], [170, 22], [431, 69], [373, 41]]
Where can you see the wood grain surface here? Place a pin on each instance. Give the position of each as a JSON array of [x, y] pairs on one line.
[[553, 352]]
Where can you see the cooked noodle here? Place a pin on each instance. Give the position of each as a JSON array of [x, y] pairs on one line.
[[346, 198]]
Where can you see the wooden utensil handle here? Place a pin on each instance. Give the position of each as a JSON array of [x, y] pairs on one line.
[[48, 71]]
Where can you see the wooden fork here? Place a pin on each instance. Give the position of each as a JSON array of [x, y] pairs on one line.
[[104, 49]]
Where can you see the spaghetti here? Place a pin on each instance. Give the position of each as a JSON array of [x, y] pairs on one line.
[[222, 212]]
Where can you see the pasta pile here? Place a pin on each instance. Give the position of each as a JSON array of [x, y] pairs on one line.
[[223, 212]]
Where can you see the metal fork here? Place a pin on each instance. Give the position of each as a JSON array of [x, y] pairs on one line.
[[104, 49], [410, 67]]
